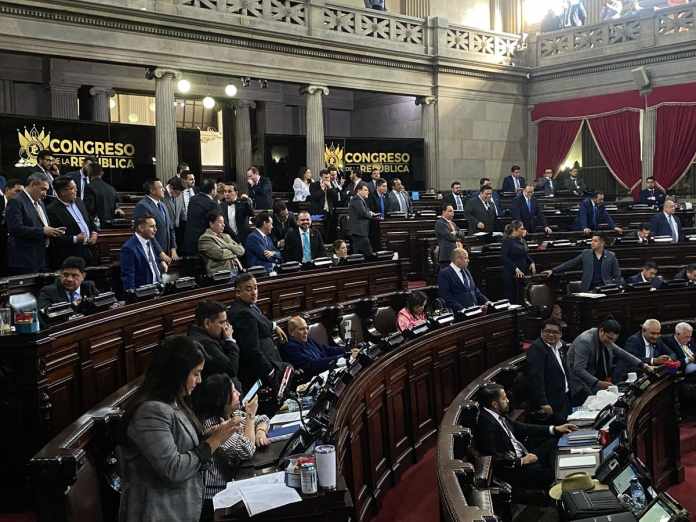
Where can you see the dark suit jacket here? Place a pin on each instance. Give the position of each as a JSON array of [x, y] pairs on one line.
[[548, 186], [660, 227], [672, 345], [475, 213], [317, 198], [359, 224], [455, 294], [55, 293], [449, 199], [221, 356], [26, 243], [135, 269], [101, 200], [635, 345], [242, 213], [586, 216], [62, 247], [310, 357], [657, 282], [491, 439], [76, 176], [254, 245], [509, 183], [546, 378], [655, 197], [611, 274], [373, 203], [166, 236], [394, 201], [258, 354], [197, 221], [532, 220], [293, 245], [576, 186], [446, 238], [262, 194]]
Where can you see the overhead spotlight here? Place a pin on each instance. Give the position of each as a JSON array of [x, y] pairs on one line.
[[245, 81], [133, 117], [112, 102], [231, 90], [208, 102], [183, 86], [263, 84]]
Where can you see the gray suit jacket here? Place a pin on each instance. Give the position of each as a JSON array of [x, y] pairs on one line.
[[446, 238], [476, 213], [162, 466], [360, 217], [394, 201], [175, 209], [611, 273], [582, 361]]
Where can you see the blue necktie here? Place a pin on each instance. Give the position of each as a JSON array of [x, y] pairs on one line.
[[381, 205], [306, 248], [529, 206], [160, 206], [594, 217], [77, 216]]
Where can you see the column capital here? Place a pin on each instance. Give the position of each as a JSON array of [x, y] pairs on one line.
[[97, 90], [426, 100], [314, 89], [161, 72], [63, 88], [243, 104]]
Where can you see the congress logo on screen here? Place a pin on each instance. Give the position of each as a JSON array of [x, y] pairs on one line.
[[30, 144]]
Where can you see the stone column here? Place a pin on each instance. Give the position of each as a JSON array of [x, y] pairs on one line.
[[242, 140], [228, 154], [166, 149], [648, 148], [314, 122], [512, 16], [496, 7], [594, 11], [419, 8], [532, 140], [64, 101], [7, 96], [429, 132], [100, 103]]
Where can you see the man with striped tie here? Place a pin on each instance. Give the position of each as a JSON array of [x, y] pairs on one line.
[[152, 205], [140, 256], [665, 223], [260, 250]]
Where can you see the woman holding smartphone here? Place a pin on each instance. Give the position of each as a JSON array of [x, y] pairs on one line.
[[216, 401]]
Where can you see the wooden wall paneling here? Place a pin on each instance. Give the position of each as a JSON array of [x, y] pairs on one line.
[[422, 397], [320, 294], [501, 344], [354, 289], [143, 340], [401, 438], [447, 382], [377, 423], [106, 356], [472, 361], [288, 301], [360, 460], [63, 387]]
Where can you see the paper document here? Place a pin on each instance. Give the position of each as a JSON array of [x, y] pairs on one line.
[[583, 415], [284, 418], [259, 494], [584, 461]]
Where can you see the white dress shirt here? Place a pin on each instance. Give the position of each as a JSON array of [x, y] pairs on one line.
[[146, 248], [232, 216], [556, 350]]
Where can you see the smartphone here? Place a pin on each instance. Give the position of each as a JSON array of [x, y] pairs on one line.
[[252, 392]]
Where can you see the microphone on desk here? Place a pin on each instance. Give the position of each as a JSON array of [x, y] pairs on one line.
[[284, 383]]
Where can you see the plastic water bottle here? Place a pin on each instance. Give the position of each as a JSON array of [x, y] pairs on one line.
[[97, 223], [637, 493]]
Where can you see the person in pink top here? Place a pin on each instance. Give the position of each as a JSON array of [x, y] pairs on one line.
[[413, 313]]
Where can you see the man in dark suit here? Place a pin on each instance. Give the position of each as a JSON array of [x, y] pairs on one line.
[[574, 184], [81, 177], [372, 182], [647, 346], [514, 182], [101, 199], [28, 228], [197, 217], [525, 208], [680, 344], [506, 441], [322, 196], [456, 286], [260, 189], [688, 273], [174, 204], [283, 221], [547, 373], [68, 211], [644, 234], [11, 189], [337, 183], [303, 244], [480, 212], [152, 205], [259, 357], [351, 186], [70, 285], [651, 195], [448, 234], [599, 265], [398, 198], [593, 213], [665, 223], [455, 198], [547, 184], [495, 197], [236, 210], [214, 332], [44, 165], [378, 201], [259, 247], [140, 256], [359, 224], [648, 274]]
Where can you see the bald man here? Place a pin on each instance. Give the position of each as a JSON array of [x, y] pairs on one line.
[[647, 346], [456, 286], [306, 354], [682, 346]]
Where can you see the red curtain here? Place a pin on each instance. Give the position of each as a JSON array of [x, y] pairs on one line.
[[555, 138], [618, 139], [675, 143]]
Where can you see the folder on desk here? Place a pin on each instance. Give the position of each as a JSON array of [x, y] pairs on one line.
[[576, 461], [578, 438]]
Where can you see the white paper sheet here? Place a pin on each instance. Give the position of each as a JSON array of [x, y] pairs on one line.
[[584, 461], [284, 418], [266, 492]]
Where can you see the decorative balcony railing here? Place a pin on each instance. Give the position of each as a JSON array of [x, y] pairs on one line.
[[644, 30]]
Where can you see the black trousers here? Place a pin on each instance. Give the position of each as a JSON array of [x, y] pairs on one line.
[[361, 245], [539, 475]]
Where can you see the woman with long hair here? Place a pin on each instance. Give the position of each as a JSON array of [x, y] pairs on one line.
[[301, 183], [516, 261], [164, 455], [413, 313], [215, 401]]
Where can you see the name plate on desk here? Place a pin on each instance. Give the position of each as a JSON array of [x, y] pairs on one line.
[[588, 295]]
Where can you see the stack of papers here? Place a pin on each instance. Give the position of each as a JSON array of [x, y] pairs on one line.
[[583, 415], [259, 494], [585, 461]]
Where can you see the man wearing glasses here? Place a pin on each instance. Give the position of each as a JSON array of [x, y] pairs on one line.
[[547, 373]]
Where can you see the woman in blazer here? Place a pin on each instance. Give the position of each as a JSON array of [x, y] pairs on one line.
[[516, 261], [163, 456], [300, 185], [219, 250]]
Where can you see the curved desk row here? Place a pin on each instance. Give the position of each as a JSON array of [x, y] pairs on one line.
[[50, 378], [652, 425], [386, 419]]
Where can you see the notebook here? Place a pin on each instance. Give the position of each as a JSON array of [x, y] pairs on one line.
[[576, 461]]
